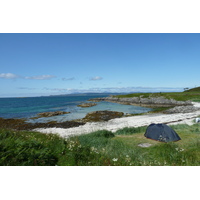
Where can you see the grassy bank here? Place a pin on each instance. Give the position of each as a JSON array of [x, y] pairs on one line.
[[192, 95], [101, 148]]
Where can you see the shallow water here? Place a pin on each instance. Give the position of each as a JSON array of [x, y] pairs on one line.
[[30, 107], [81, 112]]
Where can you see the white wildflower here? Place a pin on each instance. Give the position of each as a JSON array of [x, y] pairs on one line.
[[179, 149], [92, 149], [115, 159]]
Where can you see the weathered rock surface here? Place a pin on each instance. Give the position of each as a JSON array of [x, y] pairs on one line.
[[51, 114], [148, 102], [104, 115], [85, 105], [182, 109]]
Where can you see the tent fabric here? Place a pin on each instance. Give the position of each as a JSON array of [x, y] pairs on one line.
[[161, 132]]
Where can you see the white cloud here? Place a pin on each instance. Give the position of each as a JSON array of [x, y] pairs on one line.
[[42, 77], [96, 78], [26, 88], [8, 76], [139, 89], [68, 79], [115, 90]]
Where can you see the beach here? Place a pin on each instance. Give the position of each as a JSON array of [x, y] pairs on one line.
[[119, 123]]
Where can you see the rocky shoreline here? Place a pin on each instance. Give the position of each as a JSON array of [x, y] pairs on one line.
[[145, 102], [175, 107], [51, 114], [21, 124], [119, 123], [182, 109], [154, 102]]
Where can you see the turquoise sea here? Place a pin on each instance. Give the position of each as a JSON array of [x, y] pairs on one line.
[[31, 106]]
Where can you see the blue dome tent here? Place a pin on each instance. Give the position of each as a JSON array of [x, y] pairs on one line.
[[161, 132]]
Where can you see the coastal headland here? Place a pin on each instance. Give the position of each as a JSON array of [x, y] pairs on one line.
[[182, 107], [166, 108], [146, 102]]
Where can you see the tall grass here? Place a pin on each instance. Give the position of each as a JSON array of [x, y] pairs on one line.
[[101, 148]]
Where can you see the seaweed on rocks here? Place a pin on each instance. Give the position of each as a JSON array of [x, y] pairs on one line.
[[86, 105], [50, 114], [21, 124], [103, 115]]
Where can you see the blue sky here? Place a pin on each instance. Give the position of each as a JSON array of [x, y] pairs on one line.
[[46, 64]]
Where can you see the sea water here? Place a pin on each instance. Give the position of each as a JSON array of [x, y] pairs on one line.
[[31, 106]]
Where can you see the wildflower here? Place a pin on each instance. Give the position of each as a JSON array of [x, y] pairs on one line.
[[115, 159], [127, 156], [179, 150], [92, 149]]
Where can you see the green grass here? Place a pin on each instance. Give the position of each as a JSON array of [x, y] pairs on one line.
[[101, 148], [193, 95], [196, 89]]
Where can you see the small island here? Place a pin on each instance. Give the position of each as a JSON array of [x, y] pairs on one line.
[[86, 105]]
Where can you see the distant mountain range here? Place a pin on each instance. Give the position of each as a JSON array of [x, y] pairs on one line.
[[89, 94]]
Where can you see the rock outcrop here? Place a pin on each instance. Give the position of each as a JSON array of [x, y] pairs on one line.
[[103, 115], [85, 105], [21, 124], [147, 102], [51, 114], [182, 109]]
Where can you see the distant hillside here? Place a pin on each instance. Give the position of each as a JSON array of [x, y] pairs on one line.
[[191, 94], [196, 89], [88, 94]]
